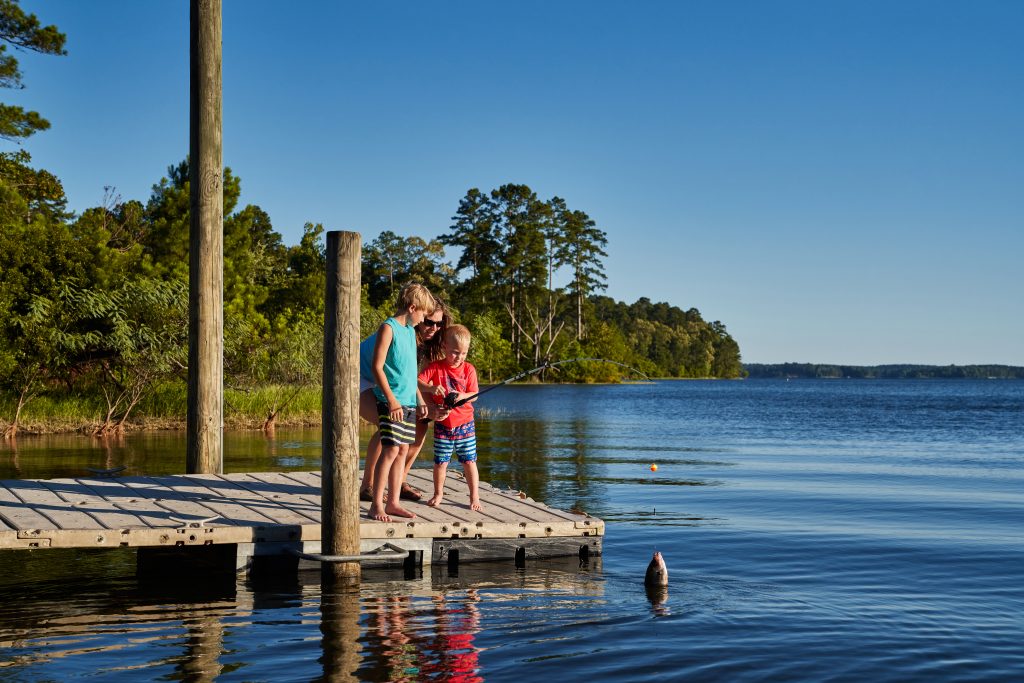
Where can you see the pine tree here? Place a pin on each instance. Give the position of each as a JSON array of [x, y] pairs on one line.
[[22, 31]]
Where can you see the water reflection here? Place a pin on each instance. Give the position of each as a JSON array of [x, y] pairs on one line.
[[53, 456], [339, 624], [658, 597], [203, 648], [387, 629]]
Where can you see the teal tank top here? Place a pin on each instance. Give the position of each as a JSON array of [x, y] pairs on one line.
[[399, 365]]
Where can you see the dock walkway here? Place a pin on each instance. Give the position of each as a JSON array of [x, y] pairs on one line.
[[272, 513]]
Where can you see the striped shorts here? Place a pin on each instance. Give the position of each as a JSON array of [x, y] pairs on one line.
[[459, 440], [394, 433]]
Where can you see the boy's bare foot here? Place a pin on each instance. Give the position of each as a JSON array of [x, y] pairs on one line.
[[366, 495], [475, 505], [378, 514], [399, 511], [435, 501]]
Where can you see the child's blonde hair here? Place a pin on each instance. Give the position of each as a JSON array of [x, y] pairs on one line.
[[458, 334], [416, 295]]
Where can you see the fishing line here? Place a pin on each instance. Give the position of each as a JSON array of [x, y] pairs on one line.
[[547, 364]]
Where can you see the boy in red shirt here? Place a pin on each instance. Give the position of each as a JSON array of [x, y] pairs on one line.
[[456, 433]]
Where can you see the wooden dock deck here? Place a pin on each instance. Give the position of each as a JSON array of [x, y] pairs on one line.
[[276, 513]]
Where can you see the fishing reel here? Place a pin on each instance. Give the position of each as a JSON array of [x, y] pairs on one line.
[[451, 400]]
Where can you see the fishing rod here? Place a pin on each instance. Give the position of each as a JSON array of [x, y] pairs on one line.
[[450, 402]]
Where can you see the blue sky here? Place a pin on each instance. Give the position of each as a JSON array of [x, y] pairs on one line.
[[837, 182]]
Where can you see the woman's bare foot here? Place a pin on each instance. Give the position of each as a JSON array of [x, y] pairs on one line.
[[399, 511], [435, 501], [475, 505], [378, 514]]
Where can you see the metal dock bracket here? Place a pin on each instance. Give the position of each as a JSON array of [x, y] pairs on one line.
[[387, 551]]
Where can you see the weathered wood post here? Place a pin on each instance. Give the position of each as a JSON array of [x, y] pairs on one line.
[[339, 530], [205, 414]]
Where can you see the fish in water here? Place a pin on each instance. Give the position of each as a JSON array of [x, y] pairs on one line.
[[657, 572]]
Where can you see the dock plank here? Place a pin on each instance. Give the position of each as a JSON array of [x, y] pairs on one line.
[[501, 506], [130, 499], [86, 500], [170, 500], [260, 507], [19, 516], [197, 489], [249, 494], [47, 503]]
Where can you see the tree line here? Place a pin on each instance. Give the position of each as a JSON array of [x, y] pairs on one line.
[[818, 371], [95, 304]]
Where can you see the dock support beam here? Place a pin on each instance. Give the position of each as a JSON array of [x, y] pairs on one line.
[[339, 531], [205, 413]]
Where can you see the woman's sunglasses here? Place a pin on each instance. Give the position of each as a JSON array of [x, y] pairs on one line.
[[431, 323]]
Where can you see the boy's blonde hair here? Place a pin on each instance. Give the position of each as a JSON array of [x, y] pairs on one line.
[[416, 295], [459, 334]]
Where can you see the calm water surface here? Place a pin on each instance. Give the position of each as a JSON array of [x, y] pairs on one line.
[[814, 530]]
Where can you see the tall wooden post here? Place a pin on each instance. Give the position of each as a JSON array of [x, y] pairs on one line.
[[205, 419], [339, 528]]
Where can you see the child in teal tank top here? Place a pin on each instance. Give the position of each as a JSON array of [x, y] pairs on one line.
[[388, 357], [399, 362]]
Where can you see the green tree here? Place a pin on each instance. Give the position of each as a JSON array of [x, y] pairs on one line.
[[473, 231], [490, 352], [303, 286], [40, 190], [254, 262], [23, 364], [36, 248], [581, 248], [391, 261], [519, 220], [294, 358], [166, 236], [726, 362], [109, 238], [124, 339], [22, 31]]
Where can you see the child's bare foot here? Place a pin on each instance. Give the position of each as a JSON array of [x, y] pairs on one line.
[[435, 501], [399, 511], [378, 514], [475, 505]]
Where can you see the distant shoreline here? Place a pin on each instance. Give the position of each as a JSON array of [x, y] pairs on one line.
[[895, 371]]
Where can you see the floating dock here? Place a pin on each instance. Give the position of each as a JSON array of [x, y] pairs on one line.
[[274, 515]]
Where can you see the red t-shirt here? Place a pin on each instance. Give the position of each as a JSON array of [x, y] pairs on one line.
[[461, 379]]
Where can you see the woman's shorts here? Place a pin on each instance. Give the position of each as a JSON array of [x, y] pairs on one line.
[[400, 433]]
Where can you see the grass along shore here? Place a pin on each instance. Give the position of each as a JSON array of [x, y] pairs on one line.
[[166, 407]]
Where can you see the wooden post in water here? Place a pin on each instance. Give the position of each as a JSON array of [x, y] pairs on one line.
[[205, 415], [339, 524]]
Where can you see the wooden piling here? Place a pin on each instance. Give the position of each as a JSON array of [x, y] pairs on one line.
[[340, 461], [205, 413]]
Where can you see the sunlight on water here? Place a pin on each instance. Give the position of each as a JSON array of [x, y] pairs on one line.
[[851, 530]]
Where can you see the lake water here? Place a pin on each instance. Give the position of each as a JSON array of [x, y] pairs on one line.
[[814, 530]]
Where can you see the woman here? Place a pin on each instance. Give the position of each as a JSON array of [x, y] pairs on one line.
[[429, 343]]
